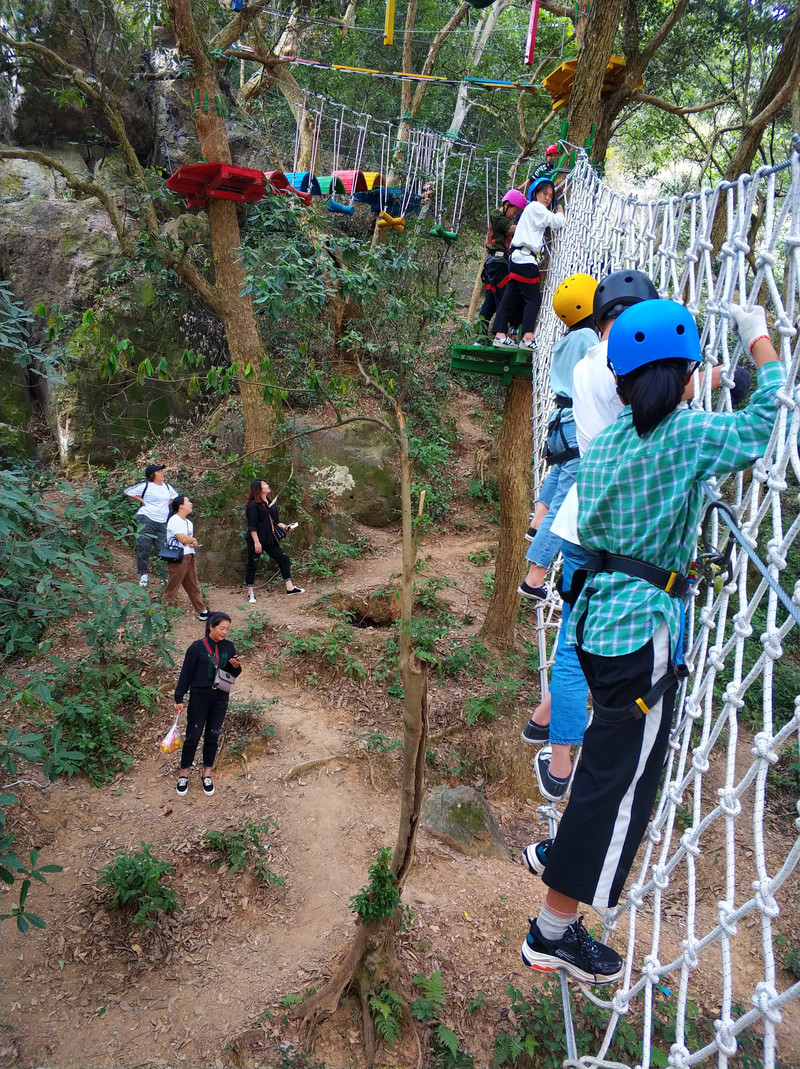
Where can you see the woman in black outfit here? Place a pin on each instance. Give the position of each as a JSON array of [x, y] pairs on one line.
[[207, 706], [262, 523]]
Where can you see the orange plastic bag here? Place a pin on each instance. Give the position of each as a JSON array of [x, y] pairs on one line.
[[172, 741]]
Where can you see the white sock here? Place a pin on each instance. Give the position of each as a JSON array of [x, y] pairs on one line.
[[553, 924]]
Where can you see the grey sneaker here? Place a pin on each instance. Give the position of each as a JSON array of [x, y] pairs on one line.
[[575, 951], [504, 343], [143, 580]]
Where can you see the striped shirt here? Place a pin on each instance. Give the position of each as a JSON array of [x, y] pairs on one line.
[[642, 497]]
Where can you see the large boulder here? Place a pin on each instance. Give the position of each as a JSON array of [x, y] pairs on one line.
[[356, 471], [462, 818]]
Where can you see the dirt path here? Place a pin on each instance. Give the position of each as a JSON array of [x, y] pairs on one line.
[[93, 991]]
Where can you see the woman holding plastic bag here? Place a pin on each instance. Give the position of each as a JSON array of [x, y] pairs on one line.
[[209, 669]]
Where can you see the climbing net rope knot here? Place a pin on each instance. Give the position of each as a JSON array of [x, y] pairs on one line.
[[712, 906]]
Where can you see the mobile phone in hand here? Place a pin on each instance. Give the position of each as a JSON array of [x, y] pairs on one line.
[[292, 526]]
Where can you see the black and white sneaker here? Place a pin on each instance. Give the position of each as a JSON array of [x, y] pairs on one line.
[[551, 787], [536, 856], [182, 786], [208, 786], [534, 593], [530, 534], [296, 590], [575, 951], [535, 733], [204, 615]]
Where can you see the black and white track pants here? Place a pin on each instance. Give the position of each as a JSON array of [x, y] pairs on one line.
[[617, 779]]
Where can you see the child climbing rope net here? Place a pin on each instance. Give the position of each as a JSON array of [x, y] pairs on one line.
[[712, 898]]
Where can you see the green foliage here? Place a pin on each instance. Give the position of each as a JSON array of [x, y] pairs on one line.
[[245, 638], [431, 1002], [386, 1007], [480, 556], [248, 715], [327, 555], [15, 325], [500, 699], [242, 848], [334, 647], [380, 897], [11, 868], [135, 880], [446, 1051], [376, 742]]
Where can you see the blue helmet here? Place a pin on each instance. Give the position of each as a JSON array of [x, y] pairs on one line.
[[651, 331], [538, 185]]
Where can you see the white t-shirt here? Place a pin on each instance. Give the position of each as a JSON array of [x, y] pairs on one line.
[[531, 226], [157, 497], [595, 404], [178, 525]]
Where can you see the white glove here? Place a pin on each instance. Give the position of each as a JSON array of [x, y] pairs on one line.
[[751, 325]]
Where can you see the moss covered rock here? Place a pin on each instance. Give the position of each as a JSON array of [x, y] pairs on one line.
[[462, 818]]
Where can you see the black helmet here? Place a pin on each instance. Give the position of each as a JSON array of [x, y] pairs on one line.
[[619, 290]]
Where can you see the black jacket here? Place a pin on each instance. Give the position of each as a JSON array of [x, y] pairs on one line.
[[259, 515], [198, 668]]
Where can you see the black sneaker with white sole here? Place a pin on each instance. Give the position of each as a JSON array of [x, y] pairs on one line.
[[182, 786], [530, 534], [535, 733], [208, 786], [550, 786], [296, 590], [536, 856], [534, 593], [575, 951], [204, 615]]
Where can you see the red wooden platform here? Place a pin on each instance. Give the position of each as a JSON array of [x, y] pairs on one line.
[[199, 182]]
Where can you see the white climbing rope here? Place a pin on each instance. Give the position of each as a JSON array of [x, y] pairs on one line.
[[712, 899]]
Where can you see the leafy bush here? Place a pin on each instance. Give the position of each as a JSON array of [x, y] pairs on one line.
[[380, 898], [135, 881], [240, 848], [327, 555]]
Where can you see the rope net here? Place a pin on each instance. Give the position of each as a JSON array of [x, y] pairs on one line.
[[712, 901]]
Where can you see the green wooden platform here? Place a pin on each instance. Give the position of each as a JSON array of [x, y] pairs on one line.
[[508, 363]]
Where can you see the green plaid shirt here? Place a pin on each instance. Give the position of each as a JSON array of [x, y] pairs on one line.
[[642, 497]]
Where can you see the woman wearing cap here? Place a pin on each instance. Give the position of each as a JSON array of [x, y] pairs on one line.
[[522, 289], [640, 497], [155, 495], [183, 573], [263, 527], [495, 271]]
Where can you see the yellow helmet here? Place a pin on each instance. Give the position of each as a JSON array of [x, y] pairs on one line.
[[573, 299]]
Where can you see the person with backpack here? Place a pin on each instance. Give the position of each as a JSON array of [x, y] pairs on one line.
[[640, 497], [155, 495]]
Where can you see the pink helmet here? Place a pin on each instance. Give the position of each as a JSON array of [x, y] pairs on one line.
[[551, 150], [516, 198]]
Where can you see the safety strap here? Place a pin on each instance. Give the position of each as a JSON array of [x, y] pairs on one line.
[[639, 708], [672, 583], [561, 458], [210, 654]]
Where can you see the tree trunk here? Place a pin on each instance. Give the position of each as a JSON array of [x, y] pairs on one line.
[[237, 313], [593, 57], [516, 491], [476, 299]]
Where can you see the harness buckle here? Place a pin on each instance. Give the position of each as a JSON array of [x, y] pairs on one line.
[[673, 578]]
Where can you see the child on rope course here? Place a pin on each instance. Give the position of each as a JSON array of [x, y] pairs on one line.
[[560, 717], [522, 289], [495, 271], [640, 498], [572, 303]]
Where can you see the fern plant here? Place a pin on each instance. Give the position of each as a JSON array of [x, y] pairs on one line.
[[386, 1008]]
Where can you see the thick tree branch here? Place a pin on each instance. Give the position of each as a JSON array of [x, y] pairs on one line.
[[676, 109], [436, 47]]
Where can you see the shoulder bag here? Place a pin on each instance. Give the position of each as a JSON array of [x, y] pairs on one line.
[[222, 680], [173, 551]]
